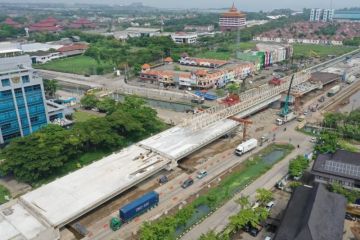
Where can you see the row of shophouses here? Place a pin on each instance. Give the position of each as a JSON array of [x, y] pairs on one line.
[[200, 78]]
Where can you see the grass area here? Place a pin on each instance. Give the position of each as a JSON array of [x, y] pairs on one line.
[[74, 165], [80, 116], [215, 55], [348, 146], [228, 54], [78, 65], [3, 192], [322, 50], [242, 175]]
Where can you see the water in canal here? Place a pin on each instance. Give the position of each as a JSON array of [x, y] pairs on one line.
[[177, 107]]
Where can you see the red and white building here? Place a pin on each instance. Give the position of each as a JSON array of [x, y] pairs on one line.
[[201, 78], [232, 20]]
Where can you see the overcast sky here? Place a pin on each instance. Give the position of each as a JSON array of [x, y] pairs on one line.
[[248, 5]]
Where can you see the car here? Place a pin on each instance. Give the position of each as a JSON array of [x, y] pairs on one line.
[[163, 179], [349, 217], [201, 174], [267, 238], [305, 113], [269, 205], [254, 232], [321, 99], [187, 183], [313, 140]]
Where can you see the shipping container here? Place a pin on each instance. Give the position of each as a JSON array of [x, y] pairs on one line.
[[138, 206]]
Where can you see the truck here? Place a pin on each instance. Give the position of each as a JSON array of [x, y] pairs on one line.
[[134, 209], [246, 146], [287, 118], [350, 79], [333, 90]]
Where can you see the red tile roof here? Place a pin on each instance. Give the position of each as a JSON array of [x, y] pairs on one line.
[[73, 47]]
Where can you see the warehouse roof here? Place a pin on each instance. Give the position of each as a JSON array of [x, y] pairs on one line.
[[69, 197], [342, 163], [313, 214]]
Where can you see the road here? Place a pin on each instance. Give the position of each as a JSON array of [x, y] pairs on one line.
[[116, 85], [172, 195], [220, 219]]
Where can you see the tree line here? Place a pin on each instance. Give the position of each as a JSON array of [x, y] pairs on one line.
[[347, 125], [41, 154]]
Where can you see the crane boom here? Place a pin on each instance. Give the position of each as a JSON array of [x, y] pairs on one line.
[[285, 109]]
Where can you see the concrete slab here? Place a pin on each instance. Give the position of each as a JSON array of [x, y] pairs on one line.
[[17, 223], [178, 142], [71, 196]]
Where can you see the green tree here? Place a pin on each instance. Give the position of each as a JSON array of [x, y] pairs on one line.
[[89, 101], [328, 143], [106, 105], [211, 235], [263, 196], [50, 87], [40, 154], [233, 88], [244, 217], [298, 165], [243, 201]]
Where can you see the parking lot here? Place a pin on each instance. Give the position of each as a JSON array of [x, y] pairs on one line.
[[281, 199]]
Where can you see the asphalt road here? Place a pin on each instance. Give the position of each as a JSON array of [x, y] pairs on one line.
[[220, 219]]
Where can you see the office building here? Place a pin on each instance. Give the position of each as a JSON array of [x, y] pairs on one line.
[[22, 99], [232, 20], [342, 167]]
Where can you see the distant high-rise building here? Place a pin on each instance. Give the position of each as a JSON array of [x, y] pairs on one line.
[[328, 15], [22, 98], [317, 15], [324, 15], [232, 20]]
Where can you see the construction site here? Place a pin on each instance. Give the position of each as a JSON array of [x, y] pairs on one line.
[[80, 204]]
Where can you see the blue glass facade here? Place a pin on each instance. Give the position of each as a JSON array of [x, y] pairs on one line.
[[22, 104]]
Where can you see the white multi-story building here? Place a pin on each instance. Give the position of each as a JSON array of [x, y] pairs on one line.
[[184, 38], [328, 15], [324, 15], [312, 15], [317, 15]]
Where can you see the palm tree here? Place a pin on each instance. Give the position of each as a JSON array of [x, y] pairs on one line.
[[50, 87]]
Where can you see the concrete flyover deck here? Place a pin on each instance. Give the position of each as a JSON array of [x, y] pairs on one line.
[[17, 223], [69, 197], [178, 142]]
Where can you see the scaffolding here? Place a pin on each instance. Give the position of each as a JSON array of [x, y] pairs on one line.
[[249, 99]]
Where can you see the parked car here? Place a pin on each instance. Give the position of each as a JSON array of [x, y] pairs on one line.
[[349, 217], [267, 238], [201, 174], [187, 183], [163, 179], [269, 205], [313, 140]]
